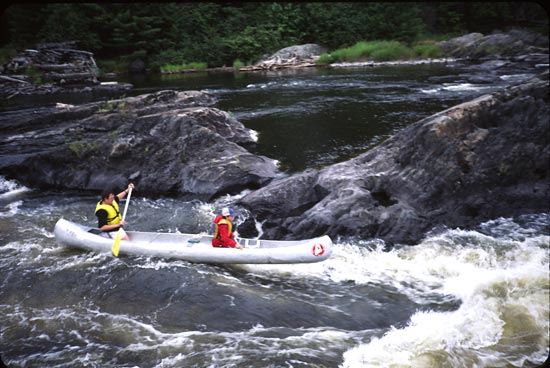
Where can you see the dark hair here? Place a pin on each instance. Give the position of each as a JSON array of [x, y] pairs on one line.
[[106, 192]]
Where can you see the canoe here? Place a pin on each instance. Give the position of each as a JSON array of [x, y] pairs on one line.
[[195, 248]]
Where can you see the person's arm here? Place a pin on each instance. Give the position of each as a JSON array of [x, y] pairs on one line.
[[102, 222], [125, 191]]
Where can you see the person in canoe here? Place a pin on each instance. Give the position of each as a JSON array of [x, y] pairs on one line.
[[109, 219], [223, 235]]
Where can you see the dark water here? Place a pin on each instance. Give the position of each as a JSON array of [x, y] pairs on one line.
[[459, 299], [316, 117]]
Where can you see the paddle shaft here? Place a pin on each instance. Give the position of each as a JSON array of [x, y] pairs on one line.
[[116, 245], [126, 205]]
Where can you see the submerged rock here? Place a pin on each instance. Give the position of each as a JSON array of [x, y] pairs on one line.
[[473, 162], [168, 143]]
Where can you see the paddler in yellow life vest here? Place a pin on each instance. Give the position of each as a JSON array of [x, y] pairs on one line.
[[223, 235], [109, 218]]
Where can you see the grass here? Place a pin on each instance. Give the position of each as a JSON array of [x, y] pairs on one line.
[[381, 51], [176, 68]]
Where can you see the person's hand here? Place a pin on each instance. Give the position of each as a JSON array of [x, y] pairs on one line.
[[238, 246], [122, 223], [130, 186]]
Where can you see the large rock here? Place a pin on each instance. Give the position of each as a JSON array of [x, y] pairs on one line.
[[54, 67], [497, 45], [476, 161], [168, 143], [290, 57]]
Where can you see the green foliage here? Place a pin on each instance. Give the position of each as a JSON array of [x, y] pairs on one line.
[[426, 51], [372, 50], [175, 68], [238, 64], [391, 51], [113, 65], [70, 22], [175, 33]]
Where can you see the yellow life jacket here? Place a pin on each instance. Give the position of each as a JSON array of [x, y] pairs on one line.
[[223, 221], [113, 213]]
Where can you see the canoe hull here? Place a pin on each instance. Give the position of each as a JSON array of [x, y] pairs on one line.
[[195, 247]]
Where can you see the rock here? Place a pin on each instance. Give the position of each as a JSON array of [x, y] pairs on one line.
[[171, 143], [308, 51], [55, 67], [473, 162], [290, 57], [496, 45]]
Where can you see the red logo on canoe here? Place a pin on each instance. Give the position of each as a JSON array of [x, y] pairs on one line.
[[318, 250]]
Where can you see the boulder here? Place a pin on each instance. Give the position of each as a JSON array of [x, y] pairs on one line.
[[54, 67], [290, 57], [473, 162], [496, 45], [168, 143]]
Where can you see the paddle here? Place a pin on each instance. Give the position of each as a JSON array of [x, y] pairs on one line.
[[116, 245]]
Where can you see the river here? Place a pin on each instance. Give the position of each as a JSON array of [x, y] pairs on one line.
[[460, 298]]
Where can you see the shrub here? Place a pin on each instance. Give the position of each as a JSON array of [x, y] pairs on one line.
[[427, 51], [325, 59], [175, 68], [117, 66], [238, 64], [391, 50]]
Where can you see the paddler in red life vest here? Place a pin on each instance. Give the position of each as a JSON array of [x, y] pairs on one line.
[[223, 235]]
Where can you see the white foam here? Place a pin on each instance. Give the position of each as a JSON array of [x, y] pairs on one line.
[[10, 189], [496, 289]]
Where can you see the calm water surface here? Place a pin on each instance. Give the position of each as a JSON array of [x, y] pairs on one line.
[[475, 298]]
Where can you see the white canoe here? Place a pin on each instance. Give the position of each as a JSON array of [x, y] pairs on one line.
[[195, 247]]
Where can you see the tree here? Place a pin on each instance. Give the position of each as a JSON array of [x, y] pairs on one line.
[[71, 22]]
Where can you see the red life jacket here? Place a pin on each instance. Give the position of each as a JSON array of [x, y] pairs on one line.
[[223, 235]]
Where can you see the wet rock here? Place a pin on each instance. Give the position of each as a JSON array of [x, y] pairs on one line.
[[169, 143], [473, 162]]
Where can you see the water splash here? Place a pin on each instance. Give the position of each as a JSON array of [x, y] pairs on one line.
[[503, 316]]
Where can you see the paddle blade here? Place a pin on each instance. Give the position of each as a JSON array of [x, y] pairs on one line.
[[116, 245]]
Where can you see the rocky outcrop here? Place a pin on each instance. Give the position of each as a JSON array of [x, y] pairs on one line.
[[476, 161], [52, 68], [167, 143], [297, 56], [498, 45]]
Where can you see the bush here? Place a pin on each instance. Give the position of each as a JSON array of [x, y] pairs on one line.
[[391, 50], [325, 59], [427, 51], [382, 51], [116, 65], [371, 50], [175, 68]]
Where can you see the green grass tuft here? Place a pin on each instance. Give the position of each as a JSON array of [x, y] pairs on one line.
[[381, 51]]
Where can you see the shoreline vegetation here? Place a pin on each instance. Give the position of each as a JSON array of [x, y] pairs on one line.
[[202, 36], [363, 53]]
